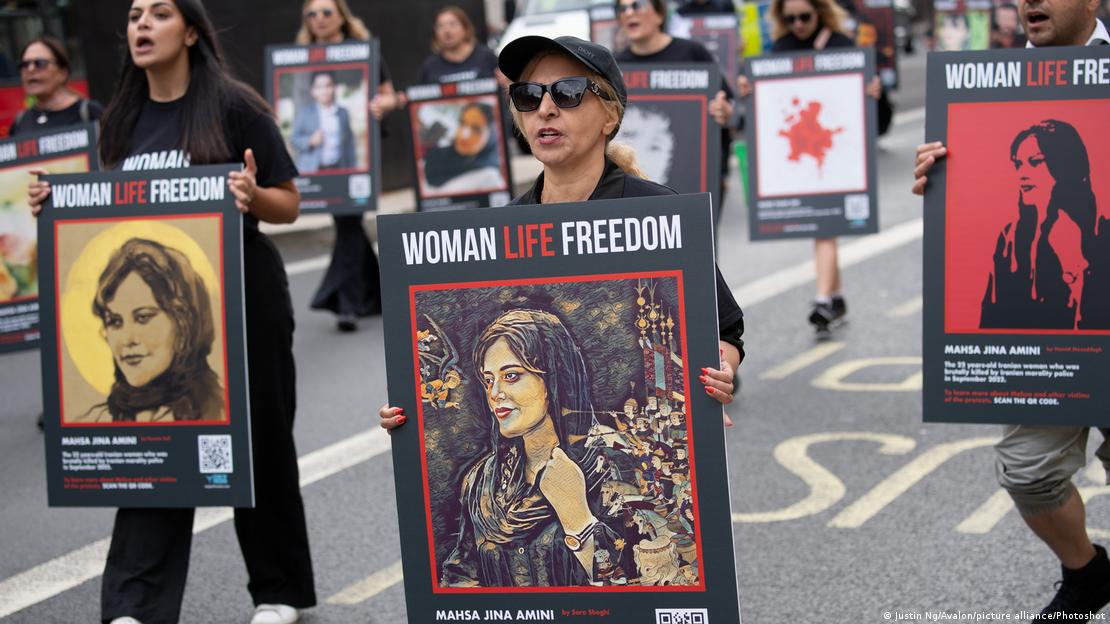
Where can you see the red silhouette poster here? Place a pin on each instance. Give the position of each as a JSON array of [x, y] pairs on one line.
[[812, 138], [1017, 238]]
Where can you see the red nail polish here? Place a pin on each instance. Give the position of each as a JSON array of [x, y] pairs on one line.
[[709, 390], [402, 420], [703, 379], [399, 411], [705, 371]]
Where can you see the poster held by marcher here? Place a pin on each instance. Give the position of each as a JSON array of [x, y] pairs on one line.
[[570, 328], [1017, 238], [460, 153], [65, 150], [875, 28], [677, 142], [321, 95], [961, 25], [719, 33], [811, 145], [144, 363]]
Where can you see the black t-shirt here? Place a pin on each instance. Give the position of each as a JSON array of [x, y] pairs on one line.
[[616, 184], [156, 142], [34, 119], [692, 7], [481, 63], [790, 43], [677, 51]]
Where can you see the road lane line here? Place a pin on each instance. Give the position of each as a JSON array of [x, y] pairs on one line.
[[63, 573], [912, 115], [853, 516], [369, 587], [802, 360], [316, 263], [833, 378], [853, 253], [909, 308], [825, 489], [988, 515]]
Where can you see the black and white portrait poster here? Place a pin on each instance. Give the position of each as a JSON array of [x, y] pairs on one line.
[[811, 145], [667, 122], [144, 370], [718, 32], [321, 95], [551, 468], [875, 28], [66, 150], [1017, 237], [459, 149]]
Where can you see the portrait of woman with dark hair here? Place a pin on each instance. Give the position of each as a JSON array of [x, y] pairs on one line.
[[157, 321], [530, 508], [470, 161], [1051, 262]]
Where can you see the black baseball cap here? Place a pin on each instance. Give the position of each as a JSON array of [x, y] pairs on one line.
[[519, 52]]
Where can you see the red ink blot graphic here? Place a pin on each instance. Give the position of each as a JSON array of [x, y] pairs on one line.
[[806, 134]]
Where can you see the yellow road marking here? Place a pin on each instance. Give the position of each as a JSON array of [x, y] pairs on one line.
[[802, 360], [370, 586], [988, 515], [833, 378], [909, 308]]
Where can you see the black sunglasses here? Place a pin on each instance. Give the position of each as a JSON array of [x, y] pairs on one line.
[[633, 6], [36, 63], [565, 93], [799, 17], [322, 12]]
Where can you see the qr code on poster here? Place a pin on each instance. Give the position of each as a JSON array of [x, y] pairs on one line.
[[857, 207], [215, 453], [681, 616], [358, 186]]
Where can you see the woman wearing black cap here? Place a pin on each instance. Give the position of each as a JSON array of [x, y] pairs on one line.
[[568, 99]]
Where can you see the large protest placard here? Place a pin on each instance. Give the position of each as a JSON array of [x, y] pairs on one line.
[[811, 145], [1017, 238], [66, 150], [460, 153], [875, 28], [321, 96], [718, 32], [667, 122], [551, 469], [961, 25], [144, 370]]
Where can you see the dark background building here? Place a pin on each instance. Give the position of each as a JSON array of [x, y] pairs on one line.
[[96, 33]]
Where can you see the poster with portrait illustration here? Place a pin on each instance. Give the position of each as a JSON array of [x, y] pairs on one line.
[[552, 465], [667, 122], [65, 150], [962, 25], [144, 371], [1017, 238], [718, 32], [321, 95], [460, 153], [811, 145], [875, 29]]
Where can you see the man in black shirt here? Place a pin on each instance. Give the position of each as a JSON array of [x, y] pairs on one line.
[[1035, 465], [457, 54]]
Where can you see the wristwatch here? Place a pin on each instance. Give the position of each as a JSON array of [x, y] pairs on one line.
[[576, 542]]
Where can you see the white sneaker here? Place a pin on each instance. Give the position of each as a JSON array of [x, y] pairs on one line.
[[275, 614], [126, 620]]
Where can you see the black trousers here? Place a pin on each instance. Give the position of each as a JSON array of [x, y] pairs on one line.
[[148, 559], [351, 284]]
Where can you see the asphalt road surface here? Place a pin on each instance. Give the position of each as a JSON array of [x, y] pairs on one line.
[[847, 508]]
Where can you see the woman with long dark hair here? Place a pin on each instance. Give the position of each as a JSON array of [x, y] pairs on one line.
[[1050, 264], [176, 99], [351, 287], [157, 319]]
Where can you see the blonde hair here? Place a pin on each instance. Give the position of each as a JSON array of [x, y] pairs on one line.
[[352, 28], [622, 155], [829, 15]]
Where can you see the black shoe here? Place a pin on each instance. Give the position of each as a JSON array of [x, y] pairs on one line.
[[822, 316], [839, 306], [346, 323], [1083, 592]]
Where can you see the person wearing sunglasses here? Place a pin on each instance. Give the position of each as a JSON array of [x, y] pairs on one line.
[[706, 7], [351, 288], [568, 100], [799, 25], [644, 22], [44, 71]]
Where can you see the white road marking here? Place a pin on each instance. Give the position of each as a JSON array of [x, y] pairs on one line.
[[854, 515], [825, 489], [317, 263], [63, 573], [909, 308], [853, 253], [370, 586], [1088, 493], [988, 515], [833, 378], [802, 360]]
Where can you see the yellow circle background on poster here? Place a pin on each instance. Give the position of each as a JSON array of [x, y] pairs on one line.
[[82, 331]]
